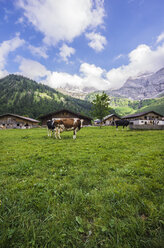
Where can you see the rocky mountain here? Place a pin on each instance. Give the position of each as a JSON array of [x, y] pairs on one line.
[[22, 96], [142, 87], [75, 91]]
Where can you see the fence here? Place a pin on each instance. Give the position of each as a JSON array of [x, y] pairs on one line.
[[146, 127]]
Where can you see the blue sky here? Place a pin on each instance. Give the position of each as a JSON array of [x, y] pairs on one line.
[[84, 43]]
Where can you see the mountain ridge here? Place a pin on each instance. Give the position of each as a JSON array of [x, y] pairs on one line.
[[142, 87], [23, 96]]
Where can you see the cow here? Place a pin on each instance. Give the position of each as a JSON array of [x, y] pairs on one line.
[[59, 125], [123, 123], [2, 127], [50, 127]]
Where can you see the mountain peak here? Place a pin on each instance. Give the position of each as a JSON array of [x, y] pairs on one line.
[[161, 71], [147, 85]]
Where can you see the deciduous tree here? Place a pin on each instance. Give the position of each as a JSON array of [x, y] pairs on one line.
[[101, 106]]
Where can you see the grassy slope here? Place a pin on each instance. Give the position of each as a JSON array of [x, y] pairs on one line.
[[156, 104], [104, 189], [124, 106]]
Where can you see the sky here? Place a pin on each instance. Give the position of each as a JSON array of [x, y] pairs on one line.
[[83, 43]]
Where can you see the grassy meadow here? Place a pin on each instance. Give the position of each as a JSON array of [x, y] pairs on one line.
[[104, 189]]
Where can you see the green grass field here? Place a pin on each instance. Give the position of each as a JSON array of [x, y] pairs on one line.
[[104, 189]]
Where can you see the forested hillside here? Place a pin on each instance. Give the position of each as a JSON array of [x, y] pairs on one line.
[[156, 104], [124, 106], [23, 96]]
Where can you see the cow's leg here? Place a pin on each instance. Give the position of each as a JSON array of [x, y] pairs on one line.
[[74, 133], [81, 121], [55, 132], [59, 133], [49, 132]]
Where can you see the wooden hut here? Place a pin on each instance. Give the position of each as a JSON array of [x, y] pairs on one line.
[[17, 121], [148, 118], [64, 113], [109, 120]]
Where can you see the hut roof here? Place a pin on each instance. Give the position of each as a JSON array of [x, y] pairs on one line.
[[65, 110], [108, 116], [22, 117], [140, 114]]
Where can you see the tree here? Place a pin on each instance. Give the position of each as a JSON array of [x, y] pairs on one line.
[[101, 106]]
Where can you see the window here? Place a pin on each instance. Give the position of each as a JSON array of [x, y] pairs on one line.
[[8, 120]]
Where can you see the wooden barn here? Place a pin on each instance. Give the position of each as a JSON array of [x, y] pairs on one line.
[[145, 118], [17, 121], [64, 113], [110, 119]]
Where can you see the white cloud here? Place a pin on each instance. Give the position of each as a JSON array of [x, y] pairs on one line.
[[97, 41], [90, 70], [160, 38], [3, 73], [64, 19], [5, 48], [20, 20], [7, 15], [141, 60], [9, 46], [66, 51], [61, 79], [93, 76], [90, 76], [38, 51], [32, 69], [118, 57]]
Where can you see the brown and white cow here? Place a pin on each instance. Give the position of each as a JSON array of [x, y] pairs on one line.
[[60, 125], [2, 127]]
